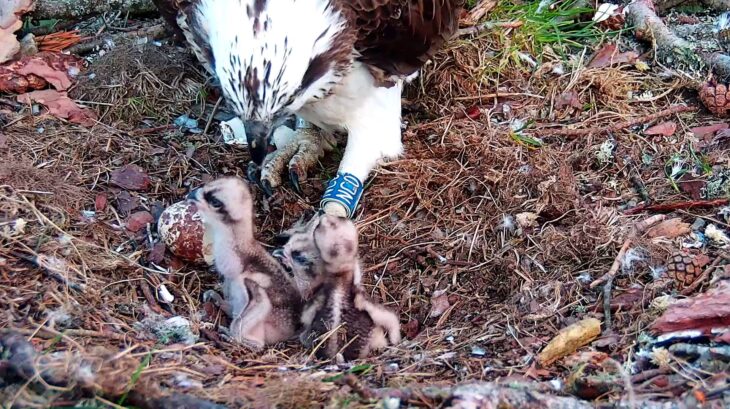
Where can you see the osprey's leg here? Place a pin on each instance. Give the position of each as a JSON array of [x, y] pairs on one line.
[[374, 135], [300, 151]]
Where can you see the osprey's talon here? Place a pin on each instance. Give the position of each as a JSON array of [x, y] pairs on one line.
[[294, 179], [253, 173], [214, 297], [266, 187], [225, 334]]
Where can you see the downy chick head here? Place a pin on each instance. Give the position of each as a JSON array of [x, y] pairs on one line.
[[337, 241], [298, 255], [225, 203]]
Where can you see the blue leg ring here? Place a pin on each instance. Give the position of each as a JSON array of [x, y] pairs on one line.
[[345, 189]]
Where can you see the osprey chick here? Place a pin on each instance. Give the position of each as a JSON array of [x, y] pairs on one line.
[[337, 64]]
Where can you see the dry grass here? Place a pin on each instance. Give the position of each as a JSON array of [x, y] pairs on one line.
[[442, 217]]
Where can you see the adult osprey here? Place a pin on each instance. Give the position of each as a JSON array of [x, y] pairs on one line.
[[337, 64]]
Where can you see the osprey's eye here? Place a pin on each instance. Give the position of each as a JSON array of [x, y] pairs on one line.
[[299, 258], [214, 202]]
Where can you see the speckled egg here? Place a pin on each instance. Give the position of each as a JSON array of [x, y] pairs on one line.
[[181, 229]]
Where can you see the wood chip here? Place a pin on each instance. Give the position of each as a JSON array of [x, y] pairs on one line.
[[569, 340]]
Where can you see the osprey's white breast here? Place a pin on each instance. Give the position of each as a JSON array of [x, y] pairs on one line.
[[354, 99]]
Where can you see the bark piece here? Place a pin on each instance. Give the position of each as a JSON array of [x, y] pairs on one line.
[[139, 220], [670, 228], [664, 6], [609, 55], [702, 312]]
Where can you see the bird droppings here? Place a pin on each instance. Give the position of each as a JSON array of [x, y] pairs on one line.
[[167, 330], [165, 295]]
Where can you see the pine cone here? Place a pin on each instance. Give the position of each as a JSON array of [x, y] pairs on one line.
[[685, 268], [716, 98]]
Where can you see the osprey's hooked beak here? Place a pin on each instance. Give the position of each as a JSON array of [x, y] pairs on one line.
[[258, 135]]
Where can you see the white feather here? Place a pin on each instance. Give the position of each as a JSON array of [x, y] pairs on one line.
[[723, 22]]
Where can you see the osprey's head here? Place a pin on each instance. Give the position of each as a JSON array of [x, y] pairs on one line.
[[270, 56]]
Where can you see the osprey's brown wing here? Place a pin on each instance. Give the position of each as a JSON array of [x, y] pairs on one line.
[[169, 10], [399, 36], [179, 14]]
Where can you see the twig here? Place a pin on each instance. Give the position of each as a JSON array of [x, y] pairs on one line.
[[497, 95], [153, 32], [609, 283], [146, 131], [614, 268], [363, 391], [212, 114], [572, 133], [38, 262], [649, 374], [639, 228], [668, 207], [147, 291], [489, 25], [628, 386]]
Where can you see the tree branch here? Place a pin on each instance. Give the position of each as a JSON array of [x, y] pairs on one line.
[[74, 9]]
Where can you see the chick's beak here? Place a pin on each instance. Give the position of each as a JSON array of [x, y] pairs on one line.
[[258, 134], [193, 195]]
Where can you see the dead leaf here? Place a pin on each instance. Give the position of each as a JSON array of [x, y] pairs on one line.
[[100, 202], [157, 253], [588, 357], [721, 140], [568, 99], [535, 373], [664, 129], [609, 55], [10, 22], [60, 105], [126, 203], [670, 229], [709, 130], [629, 299], [692, 186], [439, 303], [473, 112], [412, 328], [3, 140], [131, 177], [606, 341]]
